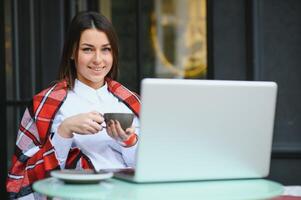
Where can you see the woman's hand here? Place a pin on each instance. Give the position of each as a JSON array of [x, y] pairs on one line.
[[84, 123], [115, 131]]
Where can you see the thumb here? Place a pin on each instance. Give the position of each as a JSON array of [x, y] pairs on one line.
[[130, 131]]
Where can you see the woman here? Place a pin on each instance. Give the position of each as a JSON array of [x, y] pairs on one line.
[[64, 126]]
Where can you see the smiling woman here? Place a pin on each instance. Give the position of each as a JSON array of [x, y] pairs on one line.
[[94, 58], [64, 126], [91, 40]]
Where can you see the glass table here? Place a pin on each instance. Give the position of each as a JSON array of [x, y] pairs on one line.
[[113, 189]]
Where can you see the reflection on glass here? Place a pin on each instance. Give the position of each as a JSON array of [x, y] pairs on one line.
[[178, 35]]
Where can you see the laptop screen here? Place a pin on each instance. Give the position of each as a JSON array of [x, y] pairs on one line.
[[205, 129]]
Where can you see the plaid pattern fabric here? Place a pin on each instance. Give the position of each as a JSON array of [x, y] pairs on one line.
[[34, 154], [132, 100]]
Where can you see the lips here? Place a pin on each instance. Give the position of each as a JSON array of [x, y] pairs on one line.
[[96, 68]]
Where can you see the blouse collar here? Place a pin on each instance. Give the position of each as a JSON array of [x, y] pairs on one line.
[[89, 93]]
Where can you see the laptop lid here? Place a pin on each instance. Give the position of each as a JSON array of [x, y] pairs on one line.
[[205, 130]]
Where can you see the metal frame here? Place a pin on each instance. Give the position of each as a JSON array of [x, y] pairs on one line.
[[210, 39], [138, 43], [253, 39], [254, 61]]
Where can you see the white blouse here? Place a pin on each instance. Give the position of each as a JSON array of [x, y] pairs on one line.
[[103, 151]]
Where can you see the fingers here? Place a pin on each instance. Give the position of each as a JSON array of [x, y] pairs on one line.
[[97, 117], [111, 129], [94, 126], [115, 131], [87, 130], [86, 123], [130, 131], [90, 123], [121, 133], [93, 121]]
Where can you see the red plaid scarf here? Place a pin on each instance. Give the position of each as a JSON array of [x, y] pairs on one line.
[[34, 132]]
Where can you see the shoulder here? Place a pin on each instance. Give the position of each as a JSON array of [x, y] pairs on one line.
[[53, 95], [131, 99], [56, 90], [120, 90]]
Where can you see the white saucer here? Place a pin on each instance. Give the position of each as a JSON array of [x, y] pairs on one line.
[[80, 177]]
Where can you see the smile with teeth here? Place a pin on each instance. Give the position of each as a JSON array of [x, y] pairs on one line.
[[96, 68]]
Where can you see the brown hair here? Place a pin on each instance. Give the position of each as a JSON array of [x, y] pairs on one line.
[[81, 22]]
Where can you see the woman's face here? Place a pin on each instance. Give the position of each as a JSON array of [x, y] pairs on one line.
[[94, 58]]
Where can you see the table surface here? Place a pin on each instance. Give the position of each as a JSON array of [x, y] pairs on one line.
[[117, 190]]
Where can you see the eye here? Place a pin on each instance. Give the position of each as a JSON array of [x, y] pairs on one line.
[[106, 49], [87, 50]]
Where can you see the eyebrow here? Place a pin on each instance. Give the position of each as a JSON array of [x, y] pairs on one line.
[[90, 45]]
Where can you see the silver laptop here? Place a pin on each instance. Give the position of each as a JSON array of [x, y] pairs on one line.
[[204, 130]]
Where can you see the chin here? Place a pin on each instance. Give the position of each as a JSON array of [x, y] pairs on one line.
[[97, 80]]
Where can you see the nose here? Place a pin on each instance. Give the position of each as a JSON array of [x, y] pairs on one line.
[[97, 57]]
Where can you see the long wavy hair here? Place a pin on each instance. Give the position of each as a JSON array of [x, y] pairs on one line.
[[81, 22]]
